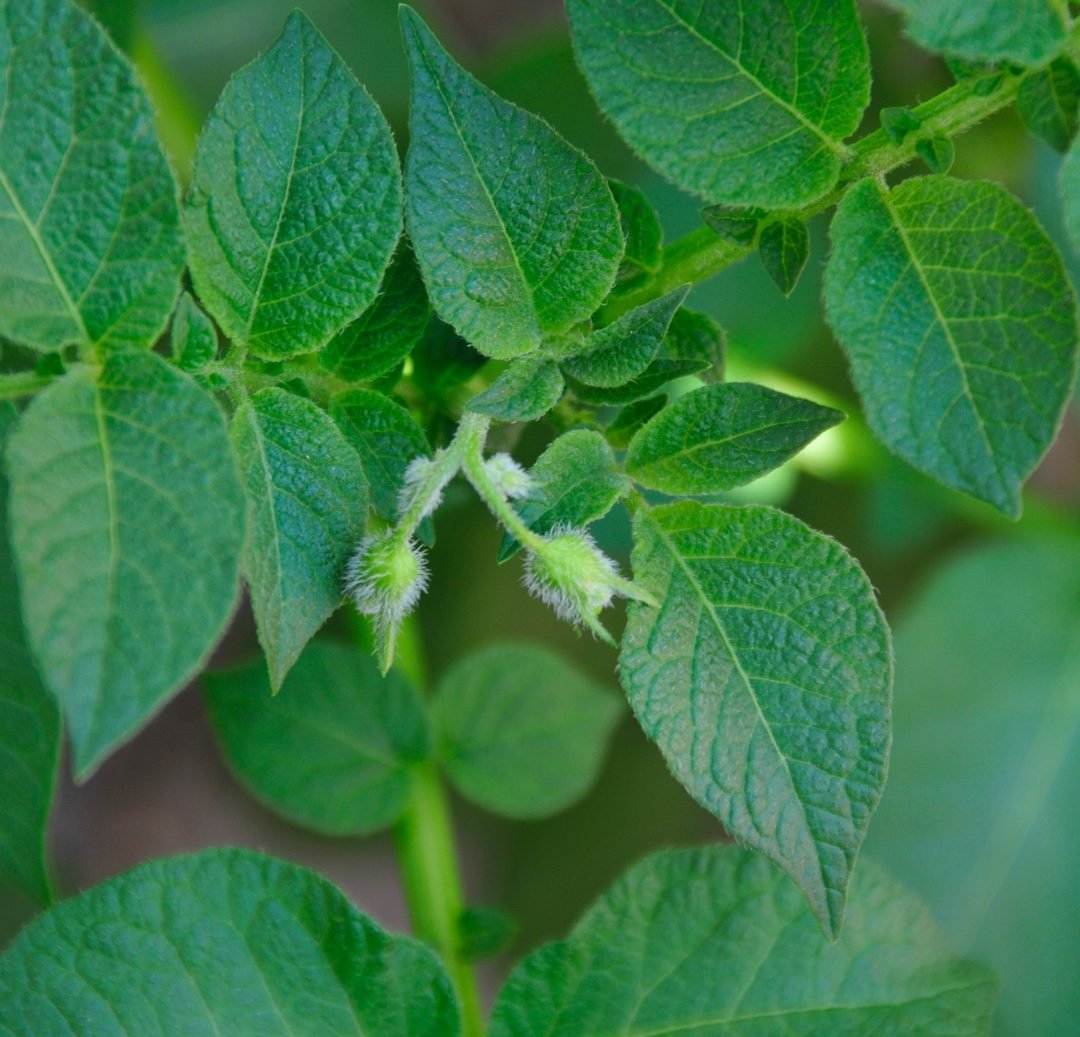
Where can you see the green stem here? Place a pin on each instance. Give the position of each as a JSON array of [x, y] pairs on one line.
[[22, 383], [702, 253], [425, 847]]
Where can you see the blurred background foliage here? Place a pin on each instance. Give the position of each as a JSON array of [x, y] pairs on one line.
[[982, 811]]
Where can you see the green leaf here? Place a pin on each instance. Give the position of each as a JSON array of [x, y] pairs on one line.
[[697, 337], [937, 153], [444, 360], [29, 729], [1048, 100], [516, 232], [193, 338], [295, 206], [619, 352], [388, 330], [331, 751], [219, 942], [784, 249], [737, 224], [980, 811], [765, 679], [525, 391], [127, 523], [575, 482], [1070, 192], [897, 123], [520, 732], [385, 436], [658, 374], [1023, 31], [641, 229], [960, 324], [717, 942], [723, 436], [744, 103], [307, 501], [484, 933], [90, 246], [630, 419]]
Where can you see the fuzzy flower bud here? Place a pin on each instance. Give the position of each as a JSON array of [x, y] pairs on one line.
[[508, 476], [418, 486]]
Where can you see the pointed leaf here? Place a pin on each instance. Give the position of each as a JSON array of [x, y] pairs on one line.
[[765, 680], [737, 224], [937, 153], [193, 338], [697, 337], [295, 207], [627, 422], [658, 374], [525, 391], [960, 324], [784, 249], [516, 231], [90, 247], [127, 522], [1048, 101], [641, 229]]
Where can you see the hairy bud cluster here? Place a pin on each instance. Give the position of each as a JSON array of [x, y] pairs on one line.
[[511, 479]]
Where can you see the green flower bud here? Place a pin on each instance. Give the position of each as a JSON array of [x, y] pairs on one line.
[[508, 476]]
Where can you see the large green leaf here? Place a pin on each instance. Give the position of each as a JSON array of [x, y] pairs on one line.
[[295, 207], [723, 436], [765, 678], [520, 732], [980, 811], [331, 751], [127, 523], [1070, 192], [744, 102], [717, 943], [307, 501], [29, 729], [90, 247], [516, 231], [224, 942], [958, 318]]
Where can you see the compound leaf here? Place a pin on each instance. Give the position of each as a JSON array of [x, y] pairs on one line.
[[717, 942], [960, 324], [295, 206], [331, 751], [307, 501], [192, 336], [516, 231], [90, 245], [520, 732], [525, 391], [744, 103], [221, 942], [766, 680], [127, 523]]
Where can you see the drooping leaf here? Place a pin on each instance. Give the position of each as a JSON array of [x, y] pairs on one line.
[[1024, 31], [784, 249], [127, 522], [307, 500], [192, 336], [659, 373], [375, 343], [90, 246], [1070, 192], [697, 337], [980, 811], [219, 942], [744, 103], [1048, 100], [528, 388], [516, 232], [295, 206], [519, 731], [331, 751], [723, 436], [716, 942], [960, 324], [619, 352], [29, 729], [575, 482], [641, 229], [765, 679]]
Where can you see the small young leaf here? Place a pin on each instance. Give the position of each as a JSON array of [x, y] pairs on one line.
[[127, 523], [484, 933], [784, 249], [960, 324], [737, 224], [641, 229], [731, 101], [295, 207], [516, 232], [1048, 101], [622, 430], [619, 352], [525, 391], [723, 436], [90, 246], [658, 374], [307, 501], [717, 942], [766, 681], [937, 152], [575, 482], [897, 123], [697, 337], [192, 336], [520, 732], [331, 751], [220, 942], [377, 342], [1070, 192]]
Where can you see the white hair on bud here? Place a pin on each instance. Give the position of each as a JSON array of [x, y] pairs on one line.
[[415, 476], [591, 593], [509, 476], [368, 577]]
